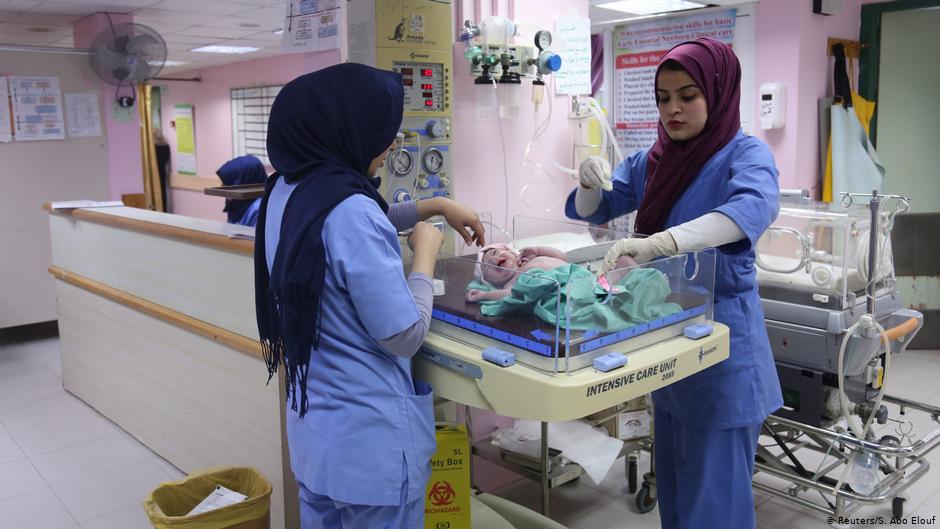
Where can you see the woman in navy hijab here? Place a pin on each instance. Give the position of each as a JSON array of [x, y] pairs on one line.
[[334, 307], [241, 171], [702, 184]]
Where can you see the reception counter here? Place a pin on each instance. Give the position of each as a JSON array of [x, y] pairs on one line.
[[157, 330]]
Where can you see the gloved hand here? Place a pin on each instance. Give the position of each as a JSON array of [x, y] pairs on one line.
[[594, 172], [641, 250]]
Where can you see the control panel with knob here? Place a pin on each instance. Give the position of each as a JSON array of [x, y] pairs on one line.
[[401, 195]]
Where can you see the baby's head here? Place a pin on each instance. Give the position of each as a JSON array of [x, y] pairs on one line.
[[499, 263]]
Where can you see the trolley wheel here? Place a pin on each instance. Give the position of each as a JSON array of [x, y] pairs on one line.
[[644, 502], [631, 474], [897, 507]]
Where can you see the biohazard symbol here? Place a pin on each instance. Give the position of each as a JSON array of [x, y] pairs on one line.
[[441, 494]]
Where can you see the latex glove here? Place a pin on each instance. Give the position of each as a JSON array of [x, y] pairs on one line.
[[641, 250], [594, 173]]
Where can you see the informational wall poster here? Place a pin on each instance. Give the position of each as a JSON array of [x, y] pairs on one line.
[[82, 114], [37, 108], [638, 48], [311, 25], [574, 78], [6, 117], [185, 139]]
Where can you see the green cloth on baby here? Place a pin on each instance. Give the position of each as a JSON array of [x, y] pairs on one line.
[[643, 298]]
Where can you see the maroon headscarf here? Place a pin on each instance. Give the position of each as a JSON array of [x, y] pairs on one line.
[[672, 165]]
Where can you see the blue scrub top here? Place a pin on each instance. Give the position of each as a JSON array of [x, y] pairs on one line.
[[739, 181], [250, 218], [368, 432]]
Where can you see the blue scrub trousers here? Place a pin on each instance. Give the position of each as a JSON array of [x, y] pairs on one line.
[[703, 476], [322, 512]]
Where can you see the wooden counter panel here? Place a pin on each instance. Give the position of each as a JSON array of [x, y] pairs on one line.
[[188, 397]]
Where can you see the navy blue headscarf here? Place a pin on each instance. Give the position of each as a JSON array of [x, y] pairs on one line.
[[324, 130], [240, 171]]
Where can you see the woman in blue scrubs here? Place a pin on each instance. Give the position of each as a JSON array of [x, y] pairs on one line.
[[702, 184], [334, 307], [242, 170]]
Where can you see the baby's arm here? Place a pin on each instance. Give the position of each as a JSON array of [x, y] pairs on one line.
[[532, 252], [473, 295]]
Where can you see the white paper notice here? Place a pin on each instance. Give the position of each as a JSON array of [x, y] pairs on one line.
[[311, 25], [37, 108], [82, 116], [574, 77], [6, 123]]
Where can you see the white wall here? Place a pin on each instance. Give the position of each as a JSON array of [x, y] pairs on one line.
[[35, 172]]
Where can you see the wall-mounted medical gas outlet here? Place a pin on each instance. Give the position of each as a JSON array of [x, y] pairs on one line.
[[773, 106], [522, 54], [578, 109]]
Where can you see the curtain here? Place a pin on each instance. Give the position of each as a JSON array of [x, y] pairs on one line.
[[597, 62]]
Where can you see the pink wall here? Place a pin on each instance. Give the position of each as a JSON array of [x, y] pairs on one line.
[[125, 165], [790, 48], [213, 115]]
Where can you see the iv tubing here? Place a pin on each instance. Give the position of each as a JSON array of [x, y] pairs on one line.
[[843, 399], [502, 143]]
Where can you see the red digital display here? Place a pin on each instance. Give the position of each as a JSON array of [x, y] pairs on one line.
[[407, 71], [428, 102], [427, 87], [427, 94], [407, 82], [427, 72]]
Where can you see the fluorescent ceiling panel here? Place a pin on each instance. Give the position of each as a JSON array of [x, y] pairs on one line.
[[649, 7], [215, 48]]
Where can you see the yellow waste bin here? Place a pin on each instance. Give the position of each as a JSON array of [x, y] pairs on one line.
[[168, 504]]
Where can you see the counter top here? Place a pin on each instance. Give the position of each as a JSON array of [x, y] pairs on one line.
[[212, 233]]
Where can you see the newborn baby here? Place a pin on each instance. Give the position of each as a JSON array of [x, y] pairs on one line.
[[501, 267]]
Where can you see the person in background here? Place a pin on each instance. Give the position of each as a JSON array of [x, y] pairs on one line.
[[334, 306], [243, 170], [162, 149], [702, 184]]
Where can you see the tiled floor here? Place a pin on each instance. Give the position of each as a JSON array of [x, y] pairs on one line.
[[64, 466]]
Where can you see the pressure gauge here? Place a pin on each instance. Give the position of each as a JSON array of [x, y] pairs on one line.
[[543, 39], [433, 161], [401, 162]]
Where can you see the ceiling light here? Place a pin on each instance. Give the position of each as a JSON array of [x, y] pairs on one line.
[[172, 63], [225, 49], [649, 7], [278, 32]]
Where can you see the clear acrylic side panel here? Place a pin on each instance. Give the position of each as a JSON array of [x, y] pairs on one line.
[[638, 305], [477, 308], [822, 249], [558, 317]]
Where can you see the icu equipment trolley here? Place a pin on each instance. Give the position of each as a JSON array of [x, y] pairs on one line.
[[834, 319], [570, 350]]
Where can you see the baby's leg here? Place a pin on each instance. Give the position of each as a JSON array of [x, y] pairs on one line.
[[615, 275]]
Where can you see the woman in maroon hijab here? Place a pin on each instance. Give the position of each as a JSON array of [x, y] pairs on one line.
[[702, 184]]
